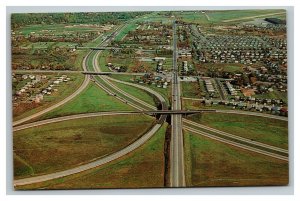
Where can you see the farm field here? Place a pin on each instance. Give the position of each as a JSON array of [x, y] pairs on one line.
[[74, 142]]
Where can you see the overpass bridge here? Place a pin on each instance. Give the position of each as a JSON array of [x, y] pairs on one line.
[[165, 112], [115, 48], [109, 73], [100, 48]]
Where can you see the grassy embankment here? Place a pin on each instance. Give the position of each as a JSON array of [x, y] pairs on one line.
[[144, 167], [62, 145]]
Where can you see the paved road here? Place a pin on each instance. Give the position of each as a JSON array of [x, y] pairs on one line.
[[235, 137], [114, 87], [93, 164], [124, 100], [70, 117], [67, 99], [236, 144], [207, 17], [237, 111], [158, 95], [75, 71], [253, 114], [177, 176], [96, 163]]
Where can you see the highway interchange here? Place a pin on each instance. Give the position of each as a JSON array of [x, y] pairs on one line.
[[177, 165]]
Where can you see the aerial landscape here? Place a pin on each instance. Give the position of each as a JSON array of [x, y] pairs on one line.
[[149, 99]]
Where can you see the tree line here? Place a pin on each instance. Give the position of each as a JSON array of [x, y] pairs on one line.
[[22, 19]]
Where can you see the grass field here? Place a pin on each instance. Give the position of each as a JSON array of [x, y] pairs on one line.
[[89, 61], [265, 130], [190, 89], [143, 167], [64, 90], [219, 16], [125, 30], [193, 17], [166, 93], [188, 104], [213, 163], [91, 99], [102, 61], [136, 92], [126, 78], [62, 145], [233, 68]]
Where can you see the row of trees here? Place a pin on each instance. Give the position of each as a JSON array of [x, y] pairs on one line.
[[21, 19]]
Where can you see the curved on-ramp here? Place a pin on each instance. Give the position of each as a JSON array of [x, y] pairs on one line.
[[96, 163], [253, 114], [236, 137], [236, 144], [67, 99]]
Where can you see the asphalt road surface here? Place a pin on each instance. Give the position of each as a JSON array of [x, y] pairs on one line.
[[96, 163], [236, 144], [177, 176], [67, 99], [235, 137]]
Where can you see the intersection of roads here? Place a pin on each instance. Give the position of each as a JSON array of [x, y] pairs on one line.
[[104, 81]]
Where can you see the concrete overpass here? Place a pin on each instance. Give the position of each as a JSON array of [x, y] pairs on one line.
[[172, 111], [116, 48], [109, 73]]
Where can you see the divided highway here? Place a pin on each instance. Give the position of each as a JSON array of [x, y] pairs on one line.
[[95, 163], [236, 144], [177, 175], [67, 99], [177, 168], [108, 158]]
